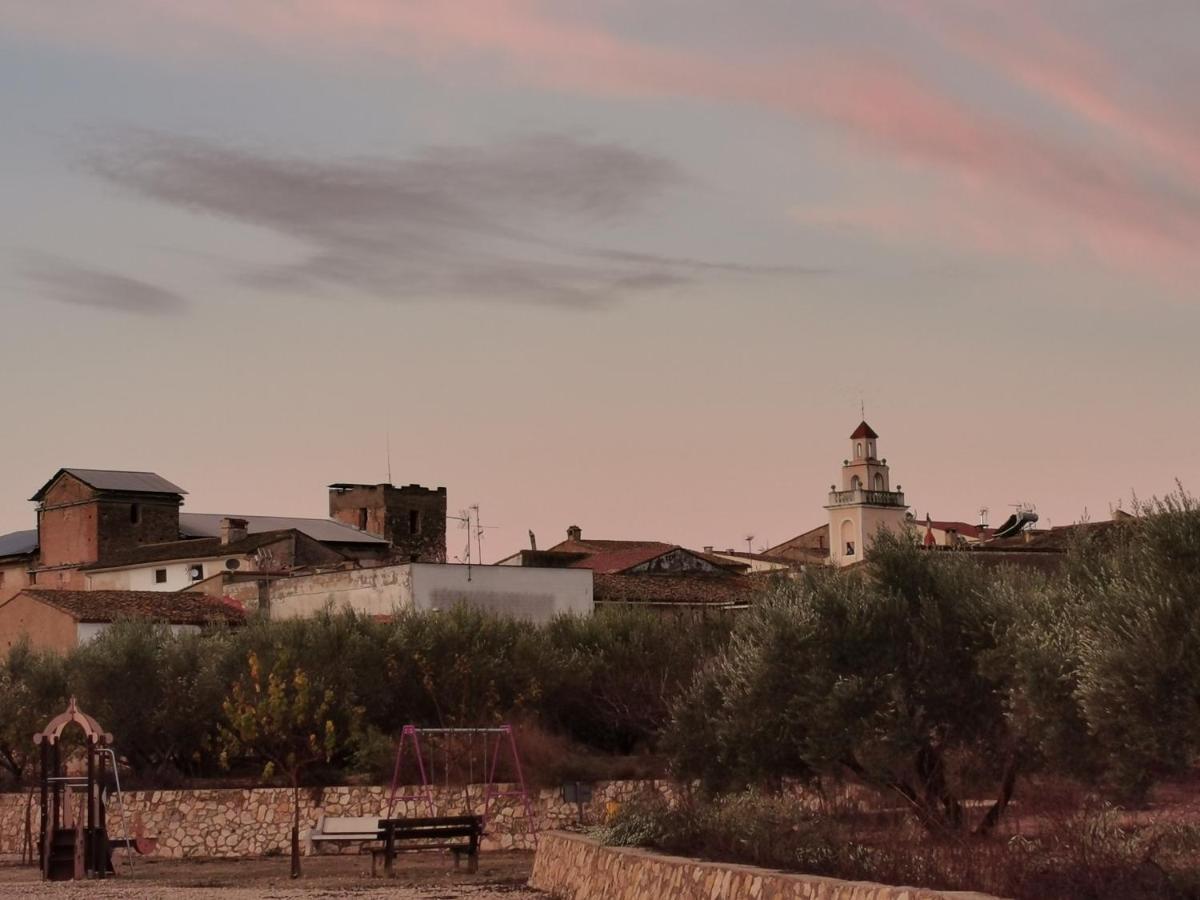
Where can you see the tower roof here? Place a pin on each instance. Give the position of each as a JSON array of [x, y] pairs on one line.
[[863, 431]]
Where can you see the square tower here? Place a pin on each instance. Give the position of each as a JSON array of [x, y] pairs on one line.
[[412, 518]]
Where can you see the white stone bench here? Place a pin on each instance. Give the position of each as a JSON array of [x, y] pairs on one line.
[[344, 830]]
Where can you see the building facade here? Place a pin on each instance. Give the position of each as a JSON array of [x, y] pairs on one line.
[[865, 503], [412, 518]]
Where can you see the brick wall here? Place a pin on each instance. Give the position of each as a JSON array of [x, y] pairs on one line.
[[388, 511]]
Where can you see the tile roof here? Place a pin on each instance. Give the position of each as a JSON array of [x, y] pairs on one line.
[[195, 548], [187, 608], [964, 528], [19, 543], [1054, 540], [619, 556], [715, 590], [325, 530], [611, 556], [116, 480], [863, 431]]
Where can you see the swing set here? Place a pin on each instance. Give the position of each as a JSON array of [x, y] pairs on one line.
[[453, 745]]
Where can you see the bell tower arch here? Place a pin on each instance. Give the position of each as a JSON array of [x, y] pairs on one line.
[[865, 502]]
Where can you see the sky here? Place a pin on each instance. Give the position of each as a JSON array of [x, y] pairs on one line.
[[635, 266]]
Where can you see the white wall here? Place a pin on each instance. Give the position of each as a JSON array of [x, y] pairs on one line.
[[141, 577], [535, 594], [380, 591]]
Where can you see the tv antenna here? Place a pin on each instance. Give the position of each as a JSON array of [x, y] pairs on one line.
[[480, 528], [748, 538], [389, 456]]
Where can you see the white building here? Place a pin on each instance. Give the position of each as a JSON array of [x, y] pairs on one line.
[[866, 502], [534, 594]]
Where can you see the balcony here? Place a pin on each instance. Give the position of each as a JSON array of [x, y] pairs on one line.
[[867, 498]]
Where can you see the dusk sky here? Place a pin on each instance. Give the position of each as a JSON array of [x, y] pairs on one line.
[[627, 265]]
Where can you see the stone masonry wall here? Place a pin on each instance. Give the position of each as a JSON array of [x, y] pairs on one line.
[[574, 867], [257, 822]]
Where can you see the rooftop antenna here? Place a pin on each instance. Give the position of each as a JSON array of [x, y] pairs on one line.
[[748, 538], [389, 456], [480, 528]]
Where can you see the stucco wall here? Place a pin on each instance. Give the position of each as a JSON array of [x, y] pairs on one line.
[[47, 627], [14, 578], [236, 823], [379, 591], [574, 867], [534, 594], [537, 595], [141, 577]]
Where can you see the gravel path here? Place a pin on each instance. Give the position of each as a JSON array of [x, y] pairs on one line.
[[420, 876]]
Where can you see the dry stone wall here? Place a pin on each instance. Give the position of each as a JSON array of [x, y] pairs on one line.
[[574, 867], [258, 822]]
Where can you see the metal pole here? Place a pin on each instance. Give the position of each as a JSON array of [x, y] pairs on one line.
[[43, 849], [89, 843]]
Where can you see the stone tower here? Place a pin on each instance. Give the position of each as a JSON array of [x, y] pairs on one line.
[[412, 517], [865, 503]]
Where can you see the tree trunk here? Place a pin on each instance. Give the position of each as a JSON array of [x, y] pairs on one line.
[[1007, 785], [295, 825]]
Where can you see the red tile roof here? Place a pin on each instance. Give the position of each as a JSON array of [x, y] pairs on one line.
[[185, 608], [619, 556], [863, 431], [714, 590]]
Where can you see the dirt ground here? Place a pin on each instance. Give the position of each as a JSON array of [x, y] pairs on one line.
[[427, 876]]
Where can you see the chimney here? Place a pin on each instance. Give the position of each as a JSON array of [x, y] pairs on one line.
[[233, 530], [532, 540], [708, 549], [574, 533]]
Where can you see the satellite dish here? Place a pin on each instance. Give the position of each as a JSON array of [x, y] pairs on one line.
[[233, 564], [196, 573]]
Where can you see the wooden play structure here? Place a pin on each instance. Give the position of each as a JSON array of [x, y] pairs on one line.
[[73, 839]]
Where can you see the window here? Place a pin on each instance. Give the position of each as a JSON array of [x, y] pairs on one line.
[[135, 513], [849, 548], [414, 521], [362, 518], [855, 483], [879, 481], [858, 450], [160, 576]]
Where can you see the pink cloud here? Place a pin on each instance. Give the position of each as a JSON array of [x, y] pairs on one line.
[[881, 105]]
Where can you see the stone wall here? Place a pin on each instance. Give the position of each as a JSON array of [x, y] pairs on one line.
[[257, 822], [574, 867]]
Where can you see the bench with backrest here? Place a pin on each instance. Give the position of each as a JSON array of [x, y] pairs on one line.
[[345, 830], [458, 834]]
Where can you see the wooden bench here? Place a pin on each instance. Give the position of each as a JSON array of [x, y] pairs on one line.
[[440, 833], [345, 830]]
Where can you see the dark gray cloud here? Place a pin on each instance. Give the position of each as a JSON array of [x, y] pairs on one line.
[[66, 282], [448, 221]]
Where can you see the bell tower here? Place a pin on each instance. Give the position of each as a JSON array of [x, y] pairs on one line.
[[866, 501]]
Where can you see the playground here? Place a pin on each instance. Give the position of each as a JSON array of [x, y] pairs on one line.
[[421, 875]]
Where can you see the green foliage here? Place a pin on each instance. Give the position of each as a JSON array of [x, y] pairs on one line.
[[611, 679], [877, 673], [33, 689], [284, 717], [158, 692]]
